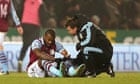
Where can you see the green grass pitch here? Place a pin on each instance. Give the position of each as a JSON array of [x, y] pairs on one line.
[[121, 78]]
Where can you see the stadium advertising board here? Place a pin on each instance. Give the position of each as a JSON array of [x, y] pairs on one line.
[[125, 57]]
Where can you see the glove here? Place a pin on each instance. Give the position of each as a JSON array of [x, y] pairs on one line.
[[58, 60], [78, 46]]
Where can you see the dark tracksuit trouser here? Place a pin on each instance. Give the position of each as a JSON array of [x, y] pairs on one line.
[[95, 63], [31, 32]]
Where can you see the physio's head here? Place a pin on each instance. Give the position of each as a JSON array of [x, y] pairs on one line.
[[75, 23]]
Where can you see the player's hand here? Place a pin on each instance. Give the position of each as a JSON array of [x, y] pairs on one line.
[[67, 56], [58, 60], [78, 46], [51, 58], [20, 30]]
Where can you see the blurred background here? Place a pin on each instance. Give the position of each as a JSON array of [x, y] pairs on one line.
[[109, 14], [120, 19]]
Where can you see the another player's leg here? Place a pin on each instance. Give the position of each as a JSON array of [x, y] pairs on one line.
[[4, 63], [3, 58], [22, 55], [19, 65]]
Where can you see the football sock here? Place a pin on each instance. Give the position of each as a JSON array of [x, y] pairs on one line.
[[52, 69], [55, 71], [3, 61]]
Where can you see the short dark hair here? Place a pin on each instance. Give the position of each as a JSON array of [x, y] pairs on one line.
[[51, 32], [77, 20]]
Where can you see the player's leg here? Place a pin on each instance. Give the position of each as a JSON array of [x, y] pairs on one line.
[[91, 66], [3, 58], [96, 64], [104, 65], [75, 67], [51, 67], [108, 53], [91, 55], [109, 65], [78, 71], [34, 70], [110, 70]]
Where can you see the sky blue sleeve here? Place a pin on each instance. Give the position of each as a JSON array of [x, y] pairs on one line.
[[86, 27], [14, 14], [36, 44], [59, 47]]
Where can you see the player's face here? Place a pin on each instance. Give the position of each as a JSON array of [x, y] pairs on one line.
[[71, 30], [49, 39]]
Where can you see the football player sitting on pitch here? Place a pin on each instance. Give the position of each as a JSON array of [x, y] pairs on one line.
[[42, 58]]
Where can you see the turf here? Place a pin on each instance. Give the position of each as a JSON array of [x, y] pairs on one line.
[[22, 78]]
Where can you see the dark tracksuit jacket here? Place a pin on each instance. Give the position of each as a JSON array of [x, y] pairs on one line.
[[96, 49]]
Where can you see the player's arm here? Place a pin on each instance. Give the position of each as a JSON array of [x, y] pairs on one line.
[[16, 19], [61, 50], [84, 35], [36, 48], [42, 55], [65, 53], [87, 30]]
